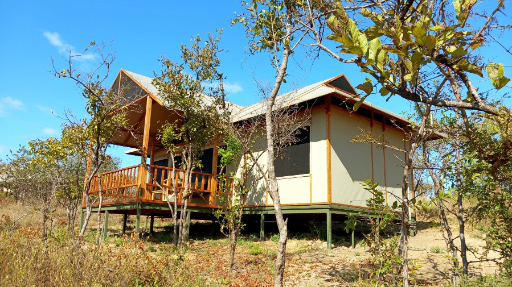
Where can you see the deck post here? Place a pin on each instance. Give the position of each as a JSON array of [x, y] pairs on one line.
[[105, 226], [262, 226], [125, 218], [145, 145], [188, 225], [137, 221], [213, 186], [151, 224], [146, 223], [329, 229], [212, 232]]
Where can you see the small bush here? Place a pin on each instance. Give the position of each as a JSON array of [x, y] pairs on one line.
[[435, 249], [274, 238], [255, 249]]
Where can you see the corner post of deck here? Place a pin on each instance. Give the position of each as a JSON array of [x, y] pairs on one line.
[[125, 218], [329, 229], [145, 146], [188, 225], [137, 221], [212, 231], [151, 224], [105, 226], [213, 186], [262, 226]]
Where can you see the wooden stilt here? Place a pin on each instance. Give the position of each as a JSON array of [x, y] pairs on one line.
[[105, 226], [125, 218], [152, 224], [329, 229], [188, 225], [137, 221], [212, 232], [262, 226]]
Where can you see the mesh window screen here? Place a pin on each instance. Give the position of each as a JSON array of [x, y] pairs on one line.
[[295, 159]]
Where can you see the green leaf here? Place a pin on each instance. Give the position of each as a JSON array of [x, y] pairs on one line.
[[359, 103], [430, 42], [497, 75], [437, 28], [416, 61], [393, 50], [383, 92], [373, 48], [373, 32], [466, 66], [335, 37], [419, 35], [333, 23], [459, 52], [366, 87], [354, 31], [408, 77]]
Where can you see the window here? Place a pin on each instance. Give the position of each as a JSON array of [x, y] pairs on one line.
[[294, 160]]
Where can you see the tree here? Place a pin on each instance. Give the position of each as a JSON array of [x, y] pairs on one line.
[[106, 116], [271, 28], [412, 50], [36, 175], [182, 90], [487, 176]]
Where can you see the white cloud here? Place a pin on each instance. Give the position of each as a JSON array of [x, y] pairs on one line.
[[65, 48], [49, 131], [228, 87], [4, 150], [45, 109], [9, 103], [233, 88]]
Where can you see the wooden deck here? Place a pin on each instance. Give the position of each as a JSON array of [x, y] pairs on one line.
[[136, 184]]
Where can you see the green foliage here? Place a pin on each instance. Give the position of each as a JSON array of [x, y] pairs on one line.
[[274, 237], [486, 178], [435, 249], [400, 46], [386, 262], [255, 249]]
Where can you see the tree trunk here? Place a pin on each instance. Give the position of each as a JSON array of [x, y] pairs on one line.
[[232, 247], [274, 193], [449, 241], [98, 229], [460, 215], [404, 230]]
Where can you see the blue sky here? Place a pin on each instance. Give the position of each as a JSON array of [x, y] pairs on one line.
[[141, 31]]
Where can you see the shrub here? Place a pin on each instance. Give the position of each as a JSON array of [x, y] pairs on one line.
[[25, 260]]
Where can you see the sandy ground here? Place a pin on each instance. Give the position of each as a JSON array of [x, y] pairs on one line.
[[311, 264]]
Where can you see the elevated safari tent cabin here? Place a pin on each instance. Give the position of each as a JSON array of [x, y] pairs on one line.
[[320, 175]]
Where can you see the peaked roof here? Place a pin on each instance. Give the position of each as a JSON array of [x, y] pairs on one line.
[[147, 84], [335, 85]]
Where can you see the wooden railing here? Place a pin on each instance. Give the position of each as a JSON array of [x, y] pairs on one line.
[[125, 184], [119, 184]]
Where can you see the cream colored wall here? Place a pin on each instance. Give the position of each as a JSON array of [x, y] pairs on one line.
[[379, 175], [257, 196], [298, 189], [351, 163], [394, 164], [318, 156]]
